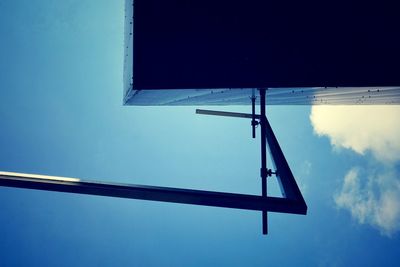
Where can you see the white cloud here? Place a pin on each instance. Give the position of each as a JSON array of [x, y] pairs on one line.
[[375, 201], [371, 197], [361, 128]]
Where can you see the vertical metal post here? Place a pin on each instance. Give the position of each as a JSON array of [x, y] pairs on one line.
[[263, 170], [253, 114]]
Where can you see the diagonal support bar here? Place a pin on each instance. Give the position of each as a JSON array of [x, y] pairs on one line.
[[287, 182]]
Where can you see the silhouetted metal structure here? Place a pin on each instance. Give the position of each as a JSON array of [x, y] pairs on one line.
[[291, 202], [207, 52], [288, 185], [218, 52]]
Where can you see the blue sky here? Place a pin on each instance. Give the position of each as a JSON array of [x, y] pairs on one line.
[[61, 114]]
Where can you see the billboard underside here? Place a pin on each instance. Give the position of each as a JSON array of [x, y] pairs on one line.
[[204, 52]]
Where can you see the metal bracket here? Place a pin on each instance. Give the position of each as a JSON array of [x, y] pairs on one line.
[[288, 185]]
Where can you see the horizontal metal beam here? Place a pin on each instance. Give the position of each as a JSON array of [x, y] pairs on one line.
[[154, 193], [226, 114]]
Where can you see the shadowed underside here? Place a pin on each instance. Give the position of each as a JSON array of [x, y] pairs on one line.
[[275, 96]]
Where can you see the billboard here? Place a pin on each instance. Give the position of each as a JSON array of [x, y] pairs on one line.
[[222, 45]]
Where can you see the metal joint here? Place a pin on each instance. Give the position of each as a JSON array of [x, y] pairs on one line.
[[264, 172], [270, 172]]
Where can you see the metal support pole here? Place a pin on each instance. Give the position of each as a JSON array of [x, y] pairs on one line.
[[253, 116], [263, 170]]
